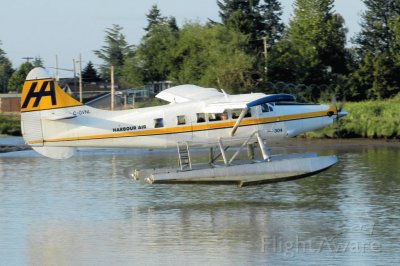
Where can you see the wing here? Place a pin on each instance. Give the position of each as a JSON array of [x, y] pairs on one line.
[[186, 93], [218, 102], [245, 101]]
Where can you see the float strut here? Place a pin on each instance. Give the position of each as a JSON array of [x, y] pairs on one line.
[[264, 150], [221, 147], [250, 151], [211, 155]]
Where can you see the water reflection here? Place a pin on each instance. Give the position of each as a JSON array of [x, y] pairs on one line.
[[85, 211]]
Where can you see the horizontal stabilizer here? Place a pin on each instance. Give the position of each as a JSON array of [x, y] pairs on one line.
[[57, 115], [243, 101]]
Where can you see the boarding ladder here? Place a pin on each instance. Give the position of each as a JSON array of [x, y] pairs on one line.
[[184, 161]]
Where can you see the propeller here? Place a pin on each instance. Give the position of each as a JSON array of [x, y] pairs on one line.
[[339, 112]]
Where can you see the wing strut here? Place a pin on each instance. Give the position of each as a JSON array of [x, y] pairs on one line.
[[241, 116]]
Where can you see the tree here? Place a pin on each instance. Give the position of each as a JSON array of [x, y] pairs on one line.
[[89, 73], [284, 63], [132, 72], [153, 18], [155, 50], [394, 25], [318, 36], [274, 27], [37, 62], [258, 20], [376, 35], [18, 77], [377, 47], [253, 18], [6, 70], [212, 57], [114, 51], [242, 16]]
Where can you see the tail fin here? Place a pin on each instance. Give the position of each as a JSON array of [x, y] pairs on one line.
[[41, 93]]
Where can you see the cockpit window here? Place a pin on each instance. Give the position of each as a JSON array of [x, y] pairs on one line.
[[265, 108]]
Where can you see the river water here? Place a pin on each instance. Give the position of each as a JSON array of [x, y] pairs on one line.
[[85, 211]]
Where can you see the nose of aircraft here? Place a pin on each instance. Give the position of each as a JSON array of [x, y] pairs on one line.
[[342, 113]]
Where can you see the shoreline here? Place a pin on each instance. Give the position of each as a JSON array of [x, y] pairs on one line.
[[12, 148], [318, 144]]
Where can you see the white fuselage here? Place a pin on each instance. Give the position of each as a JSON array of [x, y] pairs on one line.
[[165, 126]]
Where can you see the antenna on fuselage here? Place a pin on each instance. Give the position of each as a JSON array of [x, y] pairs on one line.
[[225, 94]]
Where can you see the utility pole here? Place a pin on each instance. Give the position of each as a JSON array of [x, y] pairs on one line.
[[80, 79], [74, 69], [27, 58], [112, 88], [265, 56], [57, 78]]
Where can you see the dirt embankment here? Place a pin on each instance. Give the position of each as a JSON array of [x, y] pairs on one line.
[[10, 148], [323, 144]]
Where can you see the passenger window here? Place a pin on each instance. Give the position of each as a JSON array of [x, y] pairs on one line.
[[212, 117], [236, 113], [218, 116], [201, 117], [181, 120], [158, 122]]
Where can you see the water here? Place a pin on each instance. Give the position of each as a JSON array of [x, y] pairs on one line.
[[84, 211]]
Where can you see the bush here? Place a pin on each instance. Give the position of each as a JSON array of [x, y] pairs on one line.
[[372, 119], [10, 125]]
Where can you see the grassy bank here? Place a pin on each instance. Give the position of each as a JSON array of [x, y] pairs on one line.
[[10, 124], [373, 119], [369, 119]]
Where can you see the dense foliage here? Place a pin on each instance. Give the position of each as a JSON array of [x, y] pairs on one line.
[[377, 48]]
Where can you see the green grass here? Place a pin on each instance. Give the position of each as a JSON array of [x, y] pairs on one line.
[[372, 119], [368, 119], [10, 124]]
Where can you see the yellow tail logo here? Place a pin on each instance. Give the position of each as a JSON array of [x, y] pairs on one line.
[[44, 94]]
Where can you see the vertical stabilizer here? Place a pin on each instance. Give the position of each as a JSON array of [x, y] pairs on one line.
[[41, 93]]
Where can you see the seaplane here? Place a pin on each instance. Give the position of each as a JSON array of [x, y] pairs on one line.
[[55, 125]]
